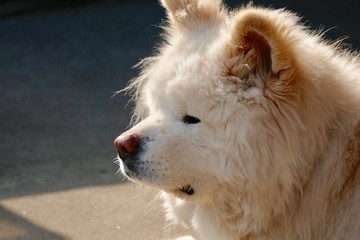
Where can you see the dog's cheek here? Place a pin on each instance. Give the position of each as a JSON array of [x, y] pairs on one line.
[[174, 154]]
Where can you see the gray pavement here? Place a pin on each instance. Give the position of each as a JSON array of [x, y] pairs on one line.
[[58, 72], [58, 120]]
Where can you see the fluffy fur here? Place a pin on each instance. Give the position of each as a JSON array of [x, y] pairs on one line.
[[276, 154]]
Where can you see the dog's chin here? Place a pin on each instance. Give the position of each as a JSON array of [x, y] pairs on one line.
[[132, 175], [128, 173]]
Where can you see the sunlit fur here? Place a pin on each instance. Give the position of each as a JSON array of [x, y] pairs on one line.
[[277, 152]]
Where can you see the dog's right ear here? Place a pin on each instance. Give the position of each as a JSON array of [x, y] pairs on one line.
[[262, 45], [183, 12]]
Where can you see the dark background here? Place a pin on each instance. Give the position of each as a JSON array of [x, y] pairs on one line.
[[343, 15], [61, 62]]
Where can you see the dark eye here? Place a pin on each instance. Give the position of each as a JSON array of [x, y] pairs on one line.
[[190, 119]]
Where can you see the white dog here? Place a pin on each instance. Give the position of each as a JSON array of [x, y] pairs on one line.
[[250, 126]]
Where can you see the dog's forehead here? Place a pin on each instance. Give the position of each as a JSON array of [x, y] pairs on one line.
[[183, 87], [188, 69]]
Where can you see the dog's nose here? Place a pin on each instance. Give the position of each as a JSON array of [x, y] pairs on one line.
[[126, 145]]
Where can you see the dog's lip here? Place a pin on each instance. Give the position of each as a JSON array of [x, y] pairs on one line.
[[187, 189]]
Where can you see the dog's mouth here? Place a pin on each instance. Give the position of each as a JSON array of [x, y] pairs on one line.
[[187, 189]]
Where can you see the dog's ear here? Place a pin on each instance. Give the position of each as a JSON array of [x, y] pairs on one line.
[[261, 46], [181, 12]]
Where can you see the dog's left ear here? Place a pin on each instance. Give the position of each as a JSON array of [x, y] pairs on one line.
[[261, 48], [183, 12]]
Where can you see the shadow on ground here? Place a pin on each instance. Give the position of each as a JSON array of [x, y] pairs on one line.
[[15, 227], [58, 72]]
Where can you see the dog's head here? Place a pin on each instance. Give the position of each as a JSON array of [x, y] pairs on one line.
[[222, 104]]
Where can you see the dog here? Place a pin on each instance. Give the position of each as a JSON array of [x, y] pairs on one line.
[[249, 124]]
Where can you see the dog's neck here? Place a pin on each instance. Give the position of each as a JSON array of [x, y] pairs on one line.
[[306, 208], [332, 181]]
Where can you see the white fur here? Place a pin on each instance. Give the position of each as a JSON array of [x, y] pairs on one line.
[[274, 156]]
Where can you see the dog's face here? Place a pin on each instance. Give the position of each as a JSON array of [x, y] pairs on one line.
[[217, 100], [187, 136]]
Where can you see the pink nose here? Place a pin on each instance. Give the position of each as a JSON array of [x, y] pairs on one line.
[[126, 145]]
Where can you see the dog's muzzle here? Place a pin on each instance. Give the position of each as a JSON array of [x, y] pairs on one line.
[[128, 148]]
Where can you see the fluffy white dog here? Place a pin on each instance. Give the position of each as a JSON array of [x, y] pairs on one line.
[[250, 126]]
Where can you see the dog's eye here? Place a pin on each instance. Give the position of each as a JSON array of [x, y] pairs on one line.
[[190, 119]]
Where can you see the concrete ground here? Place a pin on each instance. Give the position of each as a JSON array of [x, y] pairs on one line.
[[58, 72], [58, 120]]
